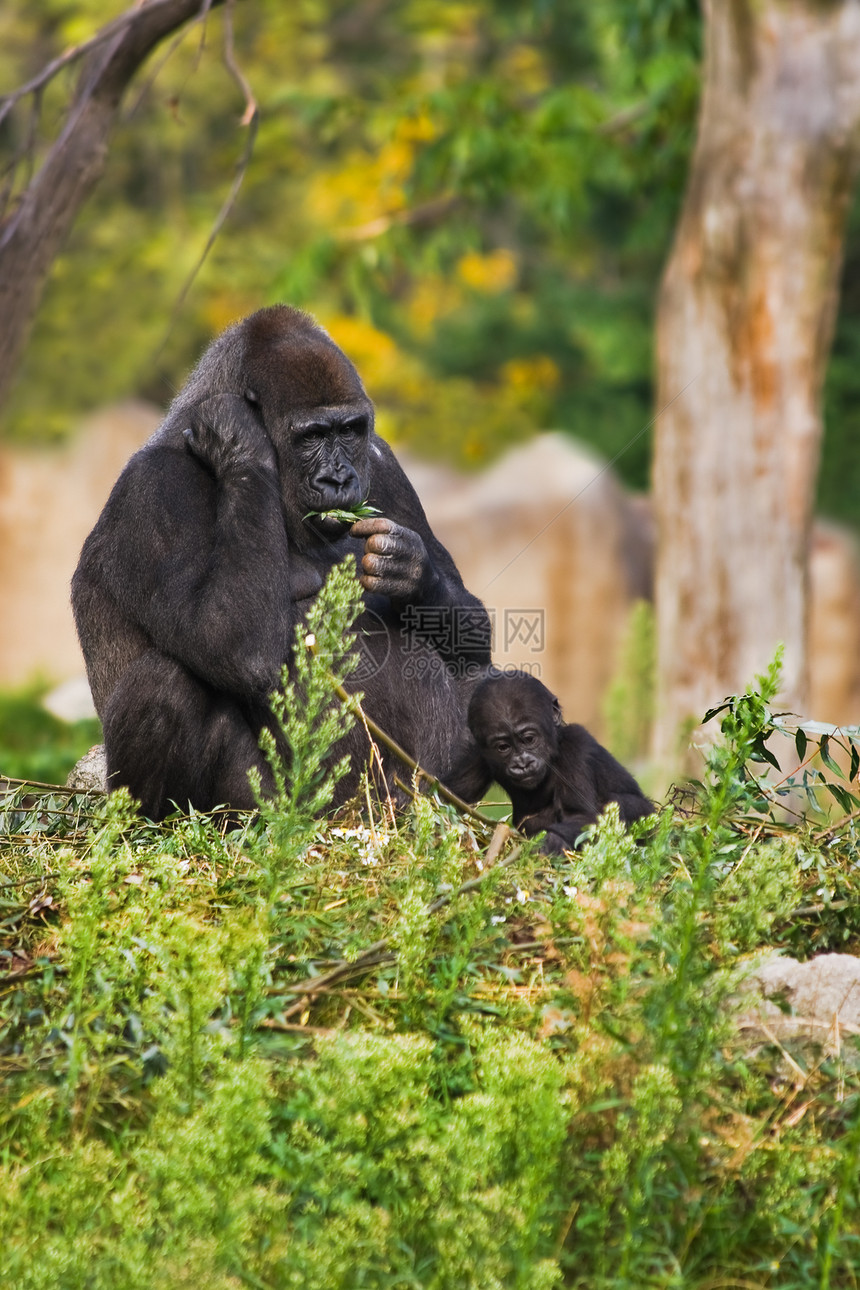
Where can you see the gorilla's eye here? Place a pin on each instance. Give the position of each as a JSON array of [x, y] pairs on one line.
[[355, 428], [253, 397], [313, 435]]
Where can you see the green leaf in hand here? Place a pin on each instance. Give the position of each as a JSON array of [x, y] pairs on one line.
[[362, 512]]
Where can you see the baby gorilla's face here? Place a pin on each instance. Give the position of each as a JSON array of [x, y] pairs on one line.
[[513, 721], [518, 755]]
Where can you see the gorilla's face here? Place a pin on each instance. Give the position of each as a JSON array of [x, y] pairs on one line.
[[315, 411], [329, 457], [518, 754], [515, 723]]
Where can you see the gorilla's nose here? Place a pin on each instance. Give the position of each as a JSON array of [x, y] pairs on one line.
[[340, 483], [336, 476]]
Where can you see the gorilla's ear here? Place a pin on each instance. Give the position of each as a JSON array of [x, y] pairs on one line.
[[557, 715]]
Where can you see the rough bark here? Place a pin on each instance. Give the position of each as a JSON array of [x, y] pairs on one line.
[[744, 326], [34, 233]]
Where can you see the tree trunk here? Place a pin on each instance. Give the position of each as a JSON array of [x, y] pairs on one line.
[[35, 232], [745, 320]]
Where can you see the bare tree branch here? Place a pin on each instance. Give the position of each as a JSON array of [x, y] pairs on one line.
[[33, 234], [250, 118]]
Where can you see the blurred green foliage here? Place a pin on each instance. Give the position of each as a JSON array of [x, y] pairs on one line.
[[839, 477], [36, 745], [477, 199], [555, 149], [628, 704]]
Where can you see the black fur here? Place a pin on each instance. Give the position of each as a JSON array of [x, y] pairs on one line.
[[558, 776], [202, 563]]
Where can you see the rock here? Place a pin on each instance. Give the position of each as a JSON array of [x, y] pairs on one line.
[[823, 997], [89, 775]]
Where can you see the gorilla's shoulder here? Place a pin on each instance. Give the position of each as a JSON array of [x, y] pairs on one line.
[[167, 438], [575, 739], [165, 452], [161, 476]]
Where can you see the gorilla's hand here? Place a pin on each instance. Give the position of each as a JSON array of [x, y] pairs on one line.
[[395, 561], [226, 436], [554, 844]]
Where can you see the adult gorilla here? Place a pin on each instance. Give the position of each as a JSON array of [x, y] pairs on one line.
[[202, 563]]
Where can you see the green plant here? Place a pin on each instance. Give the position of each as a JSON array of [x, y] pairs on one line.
[[351, 1053], [629, 702], [310, 719]]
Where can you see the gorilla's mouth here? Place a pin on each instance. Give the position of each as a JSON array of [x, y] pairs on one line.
[[329, 523], [527, 776]]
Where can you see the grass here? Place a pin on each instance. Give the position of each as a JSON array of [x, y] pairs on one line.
[[350, 1053]]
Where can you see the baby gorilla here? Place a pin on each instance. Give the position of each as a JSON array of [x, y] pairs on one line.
[[558, 776]]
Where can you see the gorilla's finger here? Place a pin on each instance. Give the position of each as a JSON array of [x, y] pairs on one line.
[[377, 524], [381, 544], [375, 564]]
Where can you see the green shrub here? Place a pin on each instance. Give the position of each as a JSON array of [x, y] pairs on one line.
[[310, 1053]]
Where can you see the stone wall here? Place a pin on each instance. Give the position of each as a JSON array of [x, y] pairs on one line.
[[49, 501], [555, 548]]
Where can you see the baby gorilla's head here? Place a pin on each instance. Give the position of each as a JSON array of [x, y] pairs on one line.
[[514, 720]]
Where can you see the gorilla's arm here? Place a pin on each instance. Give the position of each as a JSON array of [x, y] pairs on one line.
[[579, 774], [564, 835], [613, 783], [193, 548], [404, 559], [587, 777], [469, 776], [531, 822], [396, 563]]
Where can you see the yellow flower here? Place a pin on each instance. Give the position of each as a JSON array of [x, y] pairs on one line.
[[526, 374], [491, 273]]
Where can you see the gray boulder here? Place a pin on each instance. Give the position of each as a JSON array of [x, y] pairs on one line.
[[89, 775], [821, 1000]]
